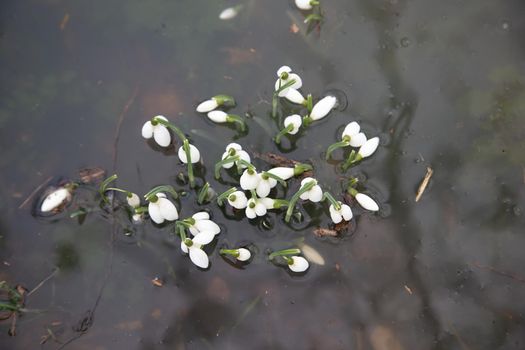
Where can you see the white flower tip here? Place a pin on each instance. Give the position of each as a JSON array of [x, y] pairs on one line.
[[366, 202], [299, 264], [369, 147], [323, 107], [303, 4], [244, 254], [218, 116], [207, 106], [55, 199], [228, 13]]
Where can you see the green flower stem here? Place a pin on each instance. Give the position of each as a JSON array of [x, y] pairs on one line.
[[353, 158], [314, 3], [233, 118], [305, 188], [103, 186], [128, 193], [186, 147], [227, 160], [254, 194], [285, 252], [232, 252], [175, 129], [162, 188], [246, 164], [203, 193], [307, 120], [275, 177], [141, 210], [309, 103], [279, 203], [300, 168], [224, 100], [332, 200], [283, 132], [352, 191], [181, 231], [353, 182], [225, 195], [275, 97], [314, 17], [344, 143]]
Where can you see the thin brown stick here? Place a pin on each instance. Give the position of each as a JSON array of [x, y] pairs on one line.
[[499, 272], [119, 124], [34, 192], [42, 282], [424, 183]]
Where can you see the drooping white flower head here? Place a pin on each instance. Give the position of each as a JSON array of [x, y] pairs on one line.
[[207, 106], [249, 179], [162, 209], [299, 264], [265, 185], [369, 147], [285, 75], [344, 213], [133, 201], [244, 254], [294, 96], [315, 194], [366, 202], [258, 207], [238, 200], [235, 149], [228, 13], [323, 107], [303, 4], [296, 121], [351, 129], [159, 132], [358, 140], [283, 172], [137, 218], [194, 248], [203, 223], [218, 116], [55, 199], [195, 154]]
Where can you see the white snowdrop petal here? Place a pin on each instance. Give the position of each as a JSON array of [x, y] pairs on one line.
[[369, 147], [316, 194], [244, 156], [193, 230], [244, 254], [201, 215], [184, 247], [346, 212], [294, 120], [307, 180], [366, 202], [303, 4], [182, 155], [155, 214], [240, 200], [199, 257], [305, 196], [167, 209], [249, 181], [267, 202], [260, 209], [299, 264], [208, 225], [250, 213], [227, 165], [282, 172], [283, 69], [358, 140], [162, 135], [147, 130], [228, 13], [233, 145], [263, 189], [218, 116], [133, 201], [298, 82], [336, 216], [161, 195], [351, 129], [195, 154], [55, 199], [207, 106], [294, 96], [323, 107], [203, 237]]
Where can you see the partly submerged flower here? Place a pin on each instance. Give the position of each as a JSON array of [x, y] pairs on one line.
[[249, 179], [229, 13], [244, 254], [314, 194], [306, 4], [285, 76], [298, 263], [201, 222], [133, 200], [234, 149], [55, 199], [238, 200], [214, 102], [352, 135], [323, 107], [343, 213], [162, 209], [195, 154], [366, 202], [159, 132], [193, 247], [287, 173], [368, 148]]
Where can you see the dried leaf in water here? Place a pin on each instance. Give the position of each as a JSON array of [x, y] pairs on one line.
[[91, 175], [325, 232], [157, 282], [312, 255], [424, 183]]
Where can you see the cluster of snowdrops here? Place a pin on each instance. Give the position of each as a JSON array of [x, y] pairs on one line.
[[253, 196]]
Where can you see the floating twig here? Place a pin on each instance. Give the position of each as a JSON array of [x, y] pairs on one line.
[[424, 183], [34, 192]]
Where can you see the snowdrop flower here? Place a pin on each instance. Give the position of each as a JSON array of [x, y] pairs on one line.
[[295, 96], [234, 149], [162, 209], [265, 185], [368, 148], [159, 132], [306, 4], [214, 102], [323, 107], [238, 200], [249, 179], [287, 173], [229, 13], [314, 194], [55, 199], [366, 202], [297, 264], [137, 218], [258, 207], [351, 136], [223, 117], [344, 212], [133, 200], [201, 222], [244, 254], [193, 247], [292, 124], [286, 76], [195, 154]]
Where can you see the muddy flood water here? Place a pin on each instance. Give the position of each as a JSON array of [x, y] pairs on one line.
[[442, 84]]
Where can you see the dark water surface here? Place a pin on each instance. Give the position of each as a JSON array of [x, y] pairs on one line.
[[442, 83]]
